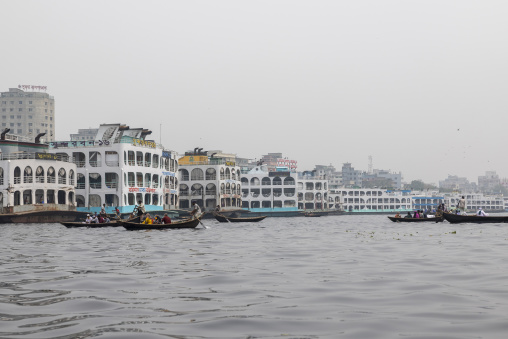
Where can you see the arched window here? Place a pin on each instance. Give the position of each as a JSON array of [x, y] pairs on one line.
[[197, 174], [71, 177], [80, 182], [51, 176], [61, 176], [28, 175], [254, 181], [184, 174], [211, 174]]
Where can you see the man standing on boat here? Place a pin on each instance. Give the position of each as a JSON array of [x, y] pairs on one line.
[[195, 210], [462, 205], [141, 208]]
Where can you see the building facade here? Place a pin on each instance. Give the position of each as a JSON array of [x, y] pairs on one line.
[[28, 113]]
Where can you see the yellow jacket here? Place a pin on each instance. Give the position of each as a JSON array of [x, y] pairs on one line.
[[148, 221]]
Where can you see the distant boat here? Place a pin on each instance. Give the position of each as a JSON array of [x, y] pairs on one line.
[[223, 218], [187, 223], [433, 219]]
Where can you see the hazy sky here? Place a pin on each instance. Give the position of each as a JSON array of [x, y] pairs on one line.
[[421, 86]]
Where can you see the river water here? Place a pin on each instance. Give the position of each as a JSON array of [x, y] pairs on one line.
[[328, 277]]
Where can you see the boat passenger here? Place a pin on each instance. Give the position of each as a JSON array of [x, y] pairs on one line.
[[88, 219], [94, 218], [100, 219], [481, 213], [148, 219], [416, 215], [103, 209], [217, 209], [397, 215], [107, 220], [408, 216], [166, 219]]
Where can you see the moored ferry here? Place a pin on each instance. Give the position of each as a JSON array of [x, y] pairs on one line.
[[368, 201], [272, 193], [35, 186], [209, 178], [119, 168]]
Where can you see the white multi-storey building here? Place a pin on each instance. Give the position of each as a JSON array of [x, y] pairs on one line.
[[28, 113], [312, 191]]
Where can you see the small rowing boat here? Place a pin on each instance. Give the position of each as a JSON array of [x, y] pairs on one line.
[[433, 219], [186, 223], [223, 218]]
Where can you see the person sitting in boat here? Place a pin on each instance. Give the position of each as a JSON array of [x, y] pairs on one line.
[[103, 210], [397, 215], [416, 215], [423, 214], [88, 219], [94, 218], [107, 220], [408, 215], [217, 209], [481, 213], [148, 219], [157, 220], [196, 210], [166, 219]]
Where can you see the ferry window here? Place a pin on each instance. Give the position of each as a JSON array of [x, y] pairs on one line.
[[147, 199], [139, 179], [139, 158], [131, 200], [95, 180], [94, 200]]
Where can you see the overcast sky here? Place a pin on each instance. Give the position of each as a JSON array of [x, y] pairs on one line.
[[421, 86]]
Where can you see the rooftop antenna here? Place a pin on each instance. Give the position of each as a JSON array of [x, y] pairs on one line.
[[370, 164]]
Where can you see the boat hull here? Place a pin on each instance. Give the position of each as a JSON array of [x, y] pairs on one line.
[[457, 219], [435, 219], [188, 223], [91, 225], [39, 217], [222, 218]]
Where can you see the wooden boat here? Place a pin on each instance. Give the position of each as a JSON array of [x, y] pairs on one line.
[[113, 223], [433, 219], [186, 223], [313, 215], [223, 218], [457, 218]]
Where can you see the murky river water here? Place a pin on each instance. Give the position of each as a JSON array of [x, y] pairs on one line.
[[328, 277]]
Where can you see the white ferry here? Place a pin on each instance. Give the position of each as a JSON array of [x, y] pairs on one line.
[[209, 178], [271, 193], [312, 191], [365, 200], [35, 186], [119, 168]]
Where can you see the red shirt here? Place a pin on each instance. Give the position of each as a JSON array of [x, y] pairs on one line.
[[166, 220]]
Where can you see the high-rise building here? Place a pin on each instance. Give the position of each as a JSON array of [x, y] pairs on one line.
[[28, 113]]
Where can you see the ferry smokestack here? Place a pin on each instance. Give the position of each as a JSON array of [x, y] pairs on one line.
[[37, 138], [4, 133]]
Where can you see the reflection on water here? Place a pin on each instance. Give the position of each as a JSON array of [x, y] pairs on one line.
[[347, 276]]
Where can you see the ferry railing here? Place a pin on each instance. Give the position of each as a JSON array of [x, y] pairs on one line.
[[28, 179], [111, 184], [33, 155], [211, 192], [185, 178], [1, 181], [211, 177], [71, 182], [112, 163], [95, 164], [131, 183], [51, 180], [80, 186], [80, 163], [184, 193], [39, 179], [95, 185], [62, 180]]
